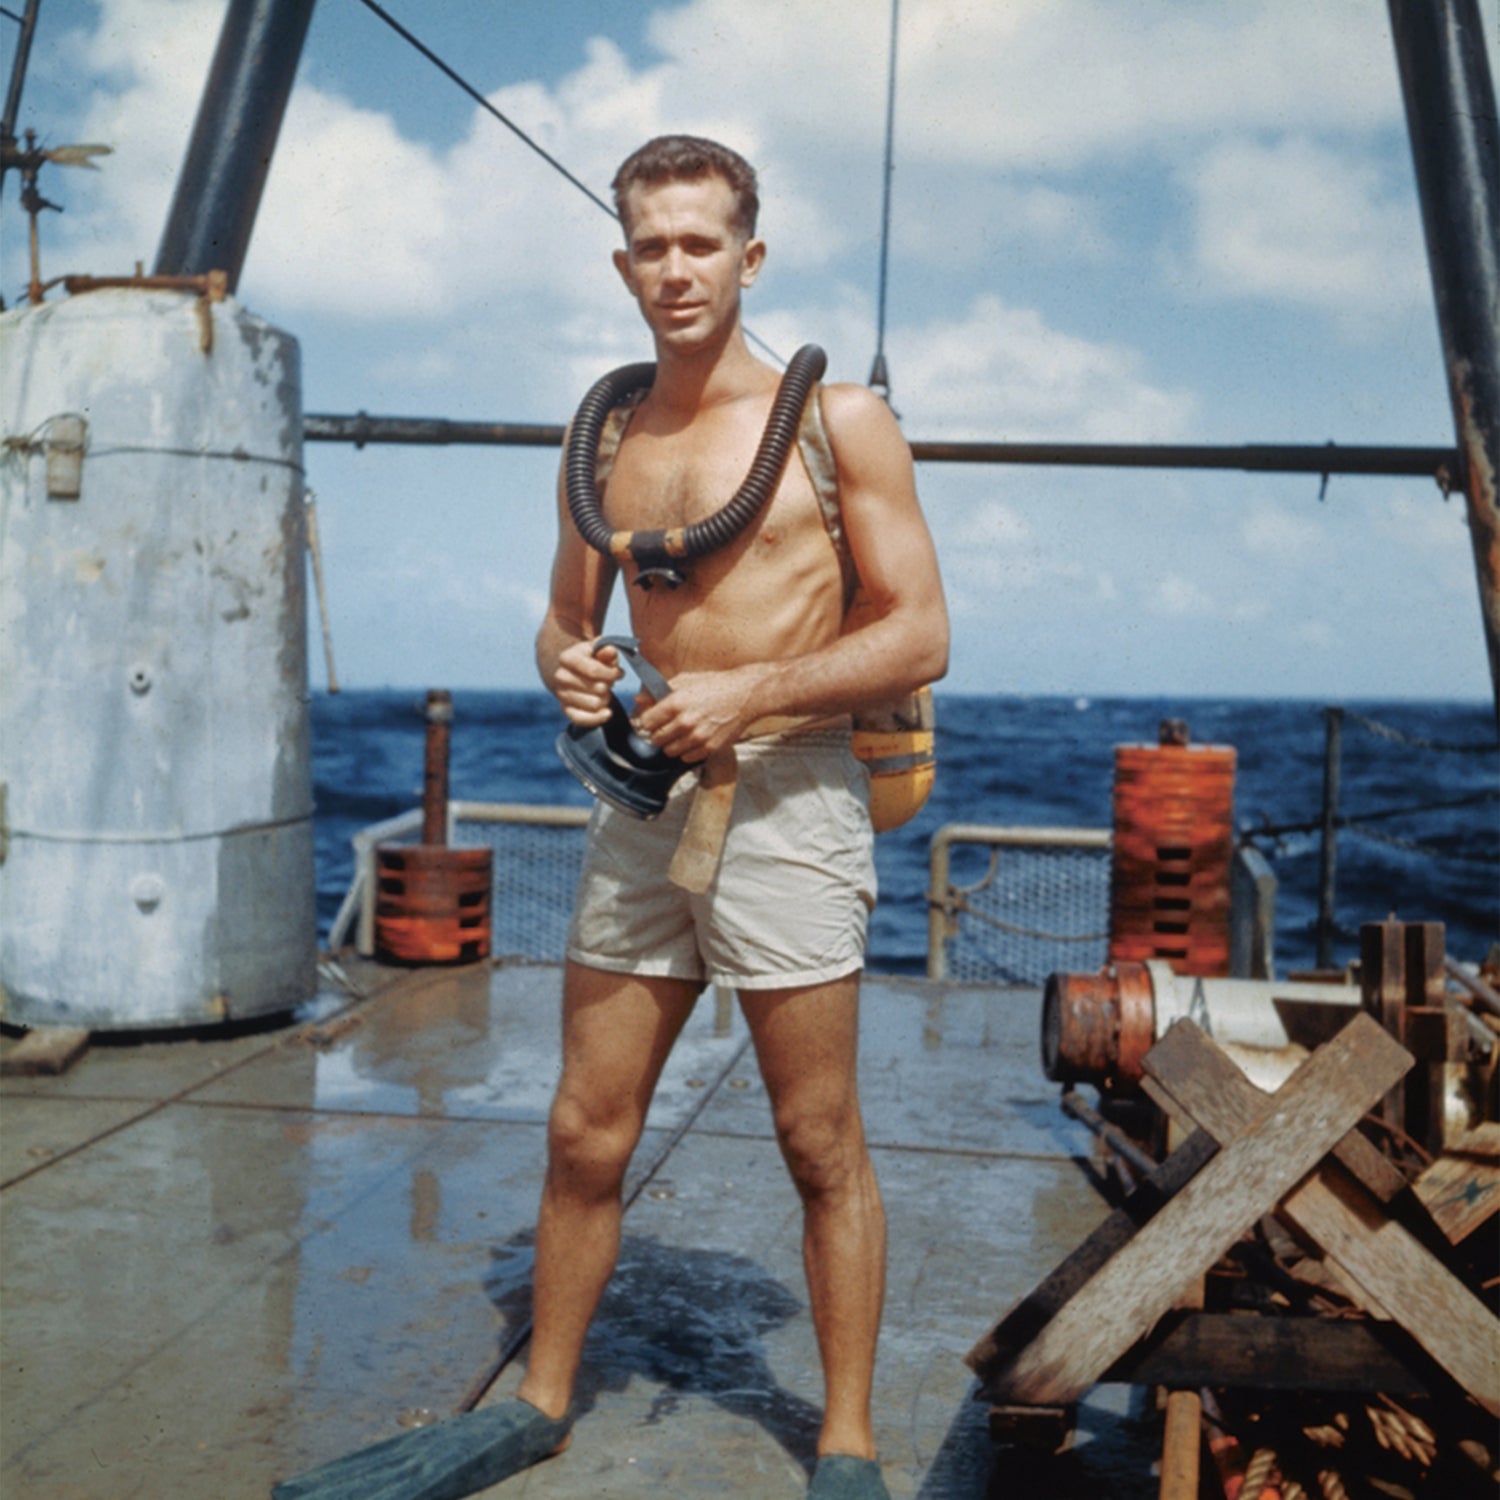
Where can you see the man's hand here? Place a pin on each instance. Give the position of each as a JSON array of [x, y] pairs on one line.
[[704, 712], [583, 682]]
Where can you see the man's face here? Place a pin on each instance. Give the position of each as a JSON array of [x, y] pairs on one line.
[[686, 263]]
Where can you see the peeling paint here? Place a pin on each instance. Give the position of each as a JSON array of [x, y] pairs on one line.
[[160, 666]]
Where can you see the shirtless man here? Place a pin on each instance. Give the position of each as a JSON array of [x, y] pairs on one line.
[[757, 630]]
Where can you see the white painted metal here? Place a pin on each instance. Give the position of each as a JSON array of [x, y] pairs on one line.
[[1249, 1012], [154, 739]]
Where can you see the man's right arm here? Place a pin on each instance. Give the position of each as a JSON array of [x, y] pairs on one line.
[[577, 602]]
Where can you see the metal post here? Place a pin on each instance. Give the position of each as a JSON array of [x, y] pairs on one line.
[[229, 154], [1455, 144], [939, 921], [1333, 748], [435, 774]]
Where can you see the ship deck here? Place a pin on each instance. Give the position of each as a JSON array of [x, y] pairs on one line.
[[232, 1257]]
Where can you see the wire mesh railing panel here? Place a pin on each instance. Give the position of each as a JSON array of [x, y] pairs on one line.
[[1033, 910], [536, 874]]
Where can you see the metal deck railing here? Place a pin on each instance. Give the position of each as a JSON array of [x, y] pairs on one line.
[[1039, 902]]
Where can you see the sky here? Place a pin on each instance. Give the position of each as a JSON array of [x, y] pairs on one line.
[[1111, 220]]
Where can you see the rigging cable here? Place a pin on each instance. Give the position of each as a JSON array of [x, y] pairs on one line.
[[516, 130], [880, 378], [479, 99]]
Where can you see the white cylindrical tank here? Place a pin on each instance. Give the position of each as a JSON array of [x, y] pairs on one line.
[[156, 841]]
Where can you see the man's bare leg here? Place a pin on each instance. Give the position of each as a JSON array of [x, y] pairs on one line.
[[807, 1041], [617, 1032]]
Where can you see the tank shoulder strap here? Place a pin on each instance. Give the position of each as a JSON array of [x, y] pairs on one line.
[[823, 470], [812, 443], [612, 434]]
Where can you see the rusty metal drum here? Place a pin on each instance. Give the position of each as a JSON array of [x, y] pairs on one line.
[[157, 864], [432, 903], [1170, 856]]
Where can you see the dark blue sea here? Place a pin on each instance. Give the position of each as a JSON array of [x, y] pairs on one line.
[[1427, 805]]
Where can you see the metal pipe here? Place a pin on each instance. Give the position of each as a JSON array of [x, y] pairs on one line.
[[229, 153], [361, 428], [1439, 464], [1112, 1136], [435, 769], [1486, 996], [1250, 458], [1455, 145], [940, 925], [1333, 743]]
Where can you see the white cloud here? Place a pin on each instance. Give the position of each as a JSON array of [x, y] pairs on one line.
[[361, 220], [1176, 595], [1315, 633], [1002, 371], [1307, 223], [140, 72], [1282, 535], [1054, 83]]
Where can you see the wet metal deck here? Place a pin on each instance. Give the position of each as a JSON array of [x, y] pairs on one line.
[[227, 1260]]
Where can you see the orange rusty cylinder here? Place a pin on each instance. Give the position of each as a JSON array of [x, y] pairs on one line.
[[1096, 1028], [1170, 856], [432, 903]]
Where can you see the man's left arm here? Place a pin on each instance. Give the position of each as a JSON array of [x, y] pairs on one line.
[[899, 640]]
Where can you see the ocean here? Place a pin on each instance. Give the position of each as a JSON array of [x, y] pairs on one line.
[[1427, 803]]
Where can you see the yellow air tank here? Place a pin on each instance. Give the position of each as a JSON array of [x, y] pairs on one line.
[[895, 741]]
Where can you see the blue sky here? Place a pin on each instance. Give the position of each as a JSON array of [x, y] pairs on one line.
[[1127, 221]]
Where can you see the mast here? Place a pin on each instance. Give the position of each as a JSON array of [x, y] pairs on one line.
[[1455, 145], [229, 154], [27, 23]]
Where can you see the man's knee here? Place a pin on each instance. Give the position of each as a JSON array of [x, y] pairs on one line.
[[588, 1146], [824, 1150]]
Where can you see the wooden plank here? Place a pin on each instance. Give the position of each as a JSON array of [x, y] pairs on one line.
[[1382, 979], [1182, 1438], [1205, 1077], [1393, 1273], [1403, 1279], [1313, 1110], [45, 1050], [1182, 1431], [1482, 1141], [1462, 1193], [1034, 1311], [1195, 1082], [1271, 1353], [1426, 973]]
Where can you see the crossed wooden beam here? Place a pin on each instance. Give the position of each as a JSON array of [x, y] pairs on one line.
[[1106, 1312]]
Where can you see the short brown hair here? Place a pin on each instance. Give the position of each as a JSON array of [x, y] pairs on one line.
[[674, 158]]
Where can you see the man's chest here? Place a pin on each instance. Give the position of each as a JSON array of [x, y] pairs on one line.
[[660, 482]]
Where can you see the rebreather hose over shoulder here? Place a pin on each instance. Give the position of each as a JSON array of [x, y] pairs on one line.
[[660, 554]]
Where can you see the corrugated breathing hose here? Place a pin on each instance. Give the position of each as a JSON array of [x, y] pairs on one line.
[[660, 554]]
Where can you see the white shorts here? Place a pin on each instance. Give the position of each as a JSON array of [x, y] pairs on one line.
[[791, 902]]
